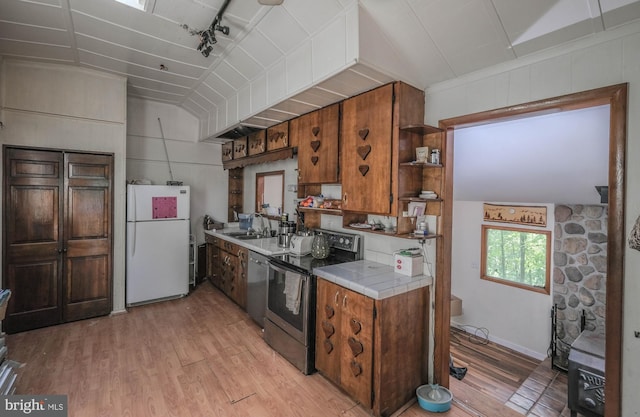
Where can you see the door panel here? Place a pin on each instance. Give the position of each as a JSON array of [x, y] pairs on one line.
[[88, 241], [32, 243]]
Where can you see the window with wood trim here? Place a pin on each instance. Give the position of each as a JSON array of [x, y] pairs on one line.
[[517, 257]]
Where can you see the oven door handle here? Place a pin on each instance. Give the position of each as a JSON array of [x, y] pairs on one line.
[[284, 271]]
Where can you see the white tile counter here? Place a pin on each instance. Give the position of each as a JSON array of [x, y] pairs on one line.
[[265, 246], [372, 279]]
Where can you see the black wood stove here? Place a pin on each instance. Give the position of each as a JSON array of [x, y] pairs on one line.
[[586, 375]]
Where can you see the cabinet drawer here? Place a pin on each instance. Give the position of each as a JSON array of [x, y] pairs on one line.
[[230, 247], [257, 142]]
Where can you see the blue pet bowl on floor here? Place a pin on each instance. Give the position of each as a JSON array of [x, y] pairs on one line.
[[434, 398]]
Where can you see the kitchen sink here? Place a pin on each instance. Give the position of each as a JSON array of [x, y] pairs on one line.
[[248, 237], [243, 235]]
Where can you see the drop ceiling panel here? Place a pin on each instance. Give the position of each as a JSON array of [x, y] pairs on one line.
[[132, 21], [313, 16], [478, 43], [230, 75], [273, 114], [294, 107], [36, 51], [113, 65], [196, 15], [33, 14], [200, 100], [348, 83], [137, 57], [282, 30], [134, 40], [193, 108], [137, 91], [219, 85], [261, 49], [209, 94], [35, 34], [244, 64]]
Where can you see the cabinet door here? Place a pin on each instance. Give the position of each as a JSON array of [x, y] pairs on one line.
[[278, 137], [356, 370], [366, 151], [240, 295], [328, 349], [316, 134], [257, 142]]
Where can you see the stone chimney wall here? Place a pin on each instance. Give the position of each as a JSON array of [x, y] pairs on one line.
[[579, 270]]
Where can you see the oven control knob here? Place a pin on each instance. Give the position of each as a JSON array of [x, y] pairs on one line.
[[347, 242], [341, 240]]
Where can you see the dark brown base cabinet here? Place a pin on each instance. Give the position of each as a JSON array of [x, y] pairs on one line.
[[374, 350], [227, 268], [57, 237]]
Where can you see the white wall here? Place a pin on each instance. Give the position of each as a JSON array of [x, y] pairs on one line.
[[197, 164], [513, 317], [606, 59], [54, 106]]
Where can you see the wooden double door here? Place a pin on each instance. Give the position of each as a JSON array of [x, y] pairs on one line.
[[58, 232]]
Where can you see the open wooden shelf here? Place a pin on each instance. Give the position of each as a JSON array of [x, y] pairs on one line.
[[335, 212], [420, 164], [421, 129]]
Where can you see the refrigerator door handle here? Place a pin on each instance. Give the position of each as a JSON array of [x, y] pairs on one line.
[[132, 201], [133, 238]]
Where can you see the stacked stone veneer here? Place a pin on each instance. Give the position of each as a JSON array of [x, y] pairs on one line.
[[579, 271]]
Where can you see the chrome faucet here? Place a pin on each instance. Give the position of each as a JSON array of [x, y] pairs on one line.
[[264, 230]]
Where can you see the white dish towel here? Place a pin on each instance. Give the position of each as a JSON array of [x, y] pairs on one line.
[[292, 291]]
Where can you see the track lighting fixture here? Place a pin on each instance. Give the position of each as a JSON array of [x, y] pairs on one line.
[[208, 36]]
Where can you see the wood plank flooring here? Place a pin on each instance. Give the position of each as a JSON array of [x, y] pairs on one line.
[[203, 356]]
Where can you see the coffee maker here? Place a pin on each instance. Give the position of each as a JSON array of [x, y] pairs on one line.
[[286, 229]]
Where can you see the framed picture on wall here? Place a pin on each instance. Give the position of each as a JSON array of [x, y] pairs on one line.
[[527, 215]]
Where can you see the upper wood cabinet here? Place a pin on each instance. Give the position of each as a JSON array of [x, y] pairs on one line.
[[372, 147], [227, 151], [316, 134], [240, 148], [257, 142], [278, 137]]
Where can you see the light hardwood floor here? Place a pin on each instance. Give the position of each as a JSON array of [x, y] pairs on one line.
[[197, 356]]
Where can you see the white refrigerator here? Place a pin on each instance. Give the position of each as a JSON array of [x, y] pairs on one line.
[[158, 230]]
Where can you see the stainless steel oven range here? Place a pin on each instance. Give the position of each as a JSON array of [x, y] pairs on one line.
[[289, 325]]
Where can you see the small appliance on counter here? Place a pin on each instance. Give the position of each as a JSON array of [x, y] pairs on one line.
[[300, 245], [408, 262]]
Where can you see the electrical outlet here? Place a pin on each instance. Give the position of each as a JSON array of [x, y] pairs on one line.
[[474, 265], [292, 188]]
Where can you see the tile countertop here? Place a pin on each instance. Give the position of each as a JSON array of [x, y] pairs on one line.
[[372, 279], [266, 246]]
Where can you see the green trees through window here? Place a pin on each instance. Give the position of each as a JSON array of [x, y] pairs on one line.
[[517, 257]]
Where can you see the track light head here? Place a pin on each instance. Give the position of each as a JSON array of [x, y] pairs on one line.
[[206, 51], [223, 29]]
